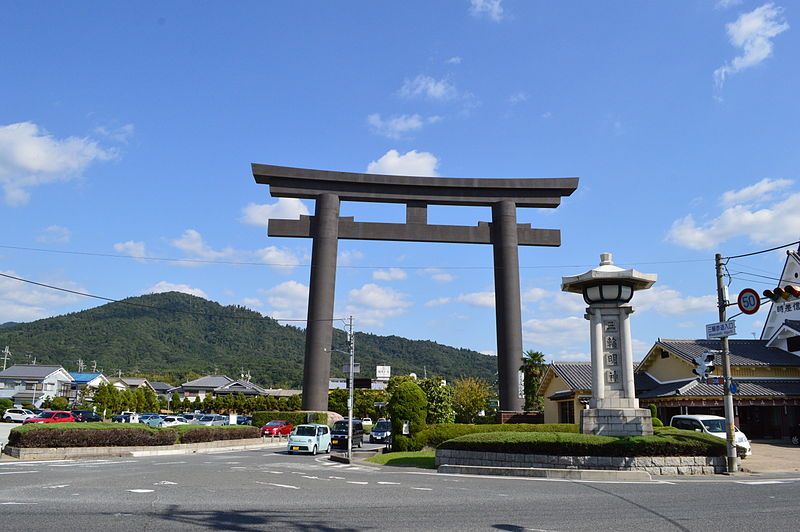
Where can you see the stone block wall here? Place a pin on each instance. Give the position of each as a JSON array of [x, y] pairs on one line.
[[655, 465]]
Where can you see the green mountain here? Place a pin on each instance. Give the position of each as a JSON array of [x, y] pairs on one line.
[[175, 337]]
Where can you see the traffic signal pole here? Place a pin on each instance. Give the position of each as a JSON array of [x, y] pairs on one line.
[[722, 303]]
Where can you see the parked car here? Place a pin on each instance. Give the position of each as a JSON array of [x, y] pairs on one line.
[[86, 416], [17, 415], [125, 417], [53, 416], [339, 434], [244, 420], [381, 432], [213, 420], [310, 438], [144, 418], [166, 421], [713, 425], [191, 418], [277, 427]]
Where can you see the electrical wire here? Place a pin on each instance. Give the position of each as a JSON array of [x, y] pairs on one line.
[[762, 251]]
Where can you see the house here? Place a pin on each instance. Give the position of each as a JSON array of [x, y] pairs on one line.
[[162, 389], [130, 383], [202, 387], [241, 386], [84, 385], [34, 384], [280, 392]]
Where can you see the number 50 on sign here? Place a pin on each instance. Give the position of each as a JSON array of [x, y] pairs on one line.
[[748, 301]]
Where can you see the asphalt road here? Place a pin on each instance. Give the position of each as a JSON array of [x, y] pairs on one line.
[[260, 490]]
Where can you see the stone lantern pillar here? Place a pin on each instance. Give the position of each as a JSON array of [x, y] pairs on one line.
[[613, 409]]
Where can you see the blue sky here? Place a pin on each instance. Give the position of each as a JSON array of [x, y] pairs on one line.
[[127, 133]]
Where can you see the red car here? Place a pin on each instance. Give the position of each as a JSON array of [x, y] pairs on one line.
[[54, 416], [277, 428]]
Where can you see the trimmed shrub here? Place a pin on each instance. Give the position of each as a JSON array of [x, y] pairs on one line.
[[402, 443], [200, 434], [657, 422], [94, 435], [666, 442], [436, 434], [261, 417], [407, 403]]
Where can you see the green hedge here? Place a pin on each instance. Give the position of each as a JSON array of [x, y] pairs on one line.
[[262, 417], [121, 435], [434, 435], [666, 442]]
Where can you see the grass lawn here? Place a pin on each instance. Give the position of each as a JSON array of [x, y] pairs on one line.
[[421, 459]]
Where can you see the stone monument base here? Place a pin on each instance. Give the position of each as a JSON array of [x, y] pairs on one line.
[[617, 422]]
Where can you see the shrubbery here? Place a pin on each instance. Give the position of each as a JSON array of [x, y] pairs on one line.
[[436, 434], [200, 434], [665, 442], [261, 418], [407, 403]]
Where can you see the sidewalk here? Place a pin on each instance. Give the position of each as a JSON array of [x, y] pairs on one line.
[[772, 456]]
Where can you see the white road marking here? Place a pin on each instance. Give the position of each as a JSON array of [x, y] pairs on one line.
[[336, 478], [16, 472], [423, 489], [141, 491], [55, 487], [12, 502], [279, 485], [168, 463], [360, 483], [37, 462], [276, 472], [165, 483], [759, 482], [389, 483], [310, 477]]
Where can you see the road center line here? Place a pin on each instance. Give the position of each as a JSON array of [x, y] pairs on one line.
[[279, 485], [360, 483], [16, 472], [389, 483]]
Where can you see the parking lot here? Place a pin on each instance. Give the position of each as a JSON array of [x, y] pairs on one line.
[[772, 456]]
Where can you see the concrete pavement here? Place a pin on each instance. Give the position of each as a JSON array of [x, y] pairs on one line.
[[771, 456]]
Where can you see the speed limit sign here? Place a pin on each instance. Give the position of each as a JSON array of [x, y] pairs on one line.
[[748, 301]]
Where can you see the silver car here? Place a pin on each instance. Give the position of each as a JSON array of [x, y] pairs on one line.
[[213, 420]]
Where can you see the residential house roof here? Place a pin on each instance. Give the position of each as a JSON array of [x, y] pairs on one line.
[[279, 392], [209, 382], [25, 371], [161, 387], [83, 378], [747, 388], [743, 352], [240, 386]]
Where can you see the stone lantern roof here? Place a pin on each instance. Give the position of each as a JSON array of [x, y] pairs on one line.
[[608, 273]]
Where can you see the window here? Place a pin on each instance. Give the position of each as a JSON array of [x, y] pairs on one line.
[[566, 412], [793, 344]]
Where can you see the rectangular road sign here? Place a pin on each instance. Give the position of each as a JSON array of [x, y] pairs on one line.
[[721, 329], [356, 367]]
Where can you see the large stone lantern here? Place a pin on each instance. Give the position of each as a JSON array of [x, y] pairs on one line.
[[613, 409]]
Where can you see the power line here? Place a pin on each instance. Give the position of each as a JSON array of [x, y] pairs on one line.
[[152, 307], [762, 251]]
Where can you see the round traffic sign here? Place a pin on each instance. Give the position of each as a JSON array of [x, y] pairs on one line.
[[748, 301]]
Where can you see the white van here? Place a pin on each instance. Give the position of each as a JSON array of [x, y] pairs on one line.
[[714, 425]]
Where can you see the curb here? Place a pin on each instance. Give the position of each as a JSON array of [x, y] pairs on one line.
[[564, 474]]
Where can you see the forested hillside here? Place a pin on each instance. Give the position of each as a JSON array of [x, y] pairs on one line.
[[175, 336]]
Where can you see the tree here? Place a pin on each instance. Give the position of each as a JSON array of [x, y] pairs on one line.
[[175, 402], [397, 380], [470, 397], [408, 403], [533, 368], [59, 403], [440, 400]]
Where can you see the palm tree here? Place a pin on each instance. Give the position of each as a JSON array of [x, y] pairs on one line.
[[533, 368]]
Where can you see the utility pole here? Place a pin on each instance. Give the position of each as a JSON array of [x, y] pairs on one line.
[[351, 342], [6, 356], [94, 366], [81, 365], [722, 303]]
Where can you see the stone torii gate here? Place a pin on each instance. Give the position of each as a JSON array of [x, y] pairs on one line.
[[326, 227]]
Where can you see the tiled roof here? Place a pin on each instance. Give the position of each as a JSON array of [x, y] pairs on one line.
[[82, 378], [747, 388], [161, 387], [241, 386], [577, 375], [743, 352], [209, 381], [25, 371]]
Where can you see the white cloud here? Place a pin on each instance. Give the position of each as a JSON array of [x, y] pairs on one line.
[[438, 275], [489, 352], [288, 301], [131, 248], [753, 33], [493, 9], [477, 299], [412, 163], [120, 134], [547, 114], [372, 304], [535, 294], [438, 302], [665, 300], [455, 60], [392, 274], [252, 302], [165, 286], [30, 157], [284, 208], [23, 302], [725, 4], [760, 191], [774, 225], [428, 87], [278, 258], [556, 332], [55, 234], [518, 97], [554, 299], [191, 242], [396, 126], [349, 257]]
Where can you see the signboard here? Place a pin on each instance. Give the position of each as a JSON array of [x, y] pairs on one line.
[[720, 329], [734, 386], [748, 301], [383, 372], [356, 368]]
